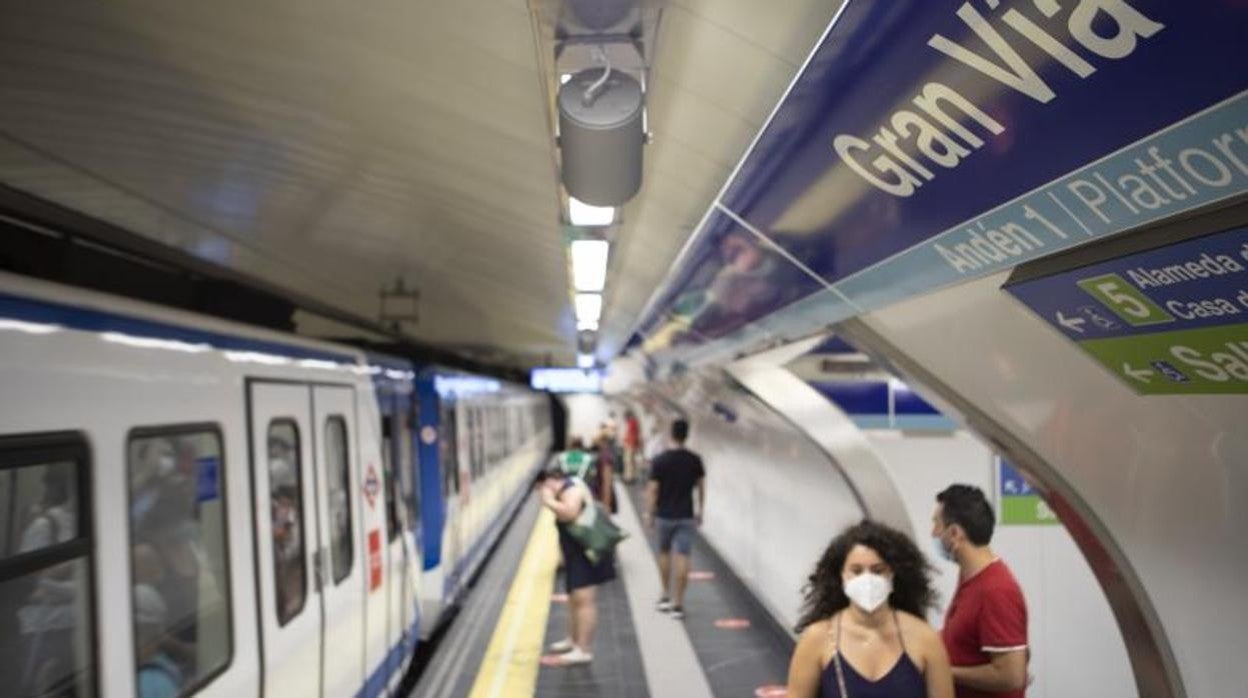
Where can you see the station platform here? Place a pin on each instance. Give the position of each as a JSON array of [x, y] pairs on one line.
[[726, 645]]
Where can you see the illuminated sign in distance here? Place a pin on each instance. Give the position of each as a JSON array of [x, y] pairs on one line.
[[566, 380]]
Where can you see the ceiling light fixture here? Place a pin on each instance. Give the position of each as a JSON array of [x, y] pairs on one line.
[[581, 213], [589, 264], [588, 310]]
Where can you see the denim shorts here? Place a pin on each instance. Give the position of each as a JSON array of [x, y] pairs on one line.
[[676, 533]]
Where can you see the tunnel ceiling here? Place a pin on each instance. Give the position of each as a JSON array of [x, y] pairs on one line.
[[332, 147]]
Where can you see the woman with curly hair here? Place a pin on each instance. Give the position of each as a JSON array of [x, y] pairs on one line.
[[863, 633]]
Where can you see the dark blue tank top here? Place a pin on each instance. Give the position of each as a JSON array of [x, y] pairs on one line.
[[904, 680]]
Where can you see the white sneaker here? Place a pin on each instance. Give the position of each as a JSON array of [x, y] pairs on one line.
[[576, 656], [561, 646], [663, 606], [677, 613]]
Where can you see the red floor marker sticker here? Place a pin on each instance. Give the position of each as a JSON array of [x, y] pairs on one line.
[[771, 692], [732, 623], [558, 598], [701, 576], [551, 660]]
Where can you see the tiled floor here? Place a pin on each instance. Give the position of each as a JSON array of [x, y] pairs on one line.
[[617, 668], [736, 661]]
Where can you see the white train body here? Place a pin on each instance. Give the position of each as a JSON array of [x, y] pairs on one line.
[[192, 503]]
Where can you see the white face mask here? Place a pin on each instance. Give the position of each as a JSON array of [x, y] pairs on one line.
[[938, 544], [868, 590]]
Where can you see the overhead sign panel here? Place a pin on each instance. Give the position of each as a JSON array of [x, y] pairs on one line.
[[925, 143], [566, 380], [1169, 320]]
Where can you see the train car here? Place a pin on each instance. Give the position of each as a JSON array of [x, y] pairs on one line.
[[483, 439], [461, 449], [193, 506]]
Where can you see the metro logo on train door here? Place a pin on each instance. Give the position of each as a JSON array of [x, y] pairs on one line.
[[374, 560]]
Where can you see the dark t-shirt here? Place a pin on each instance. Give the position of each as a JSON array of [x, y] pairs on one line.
[[676, 471]]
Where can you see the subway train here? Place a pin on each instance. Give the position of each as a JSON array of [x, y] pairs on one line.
[[192, 506]]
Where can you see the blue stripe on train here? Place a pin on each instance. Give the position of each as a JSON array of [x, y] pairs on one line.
[[379, 680]]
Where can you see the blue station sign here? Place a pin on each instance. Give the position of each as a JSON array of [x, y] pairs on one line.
[[1169, 320], [928, 143]]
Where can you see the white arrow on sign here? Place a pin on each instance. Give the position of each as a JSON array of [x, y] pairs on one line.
[[1140, 374], [1074, 324]]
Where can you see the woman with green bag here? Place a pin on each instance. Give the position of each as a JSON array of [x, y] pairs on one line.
[[587, 541]]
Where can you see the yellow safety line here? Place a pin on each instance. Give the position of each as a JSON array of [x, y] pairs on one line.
[[511, 661]]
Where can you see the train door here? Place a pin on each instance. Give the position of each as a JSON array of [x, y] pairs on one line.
[[282, 443], [302, 469], [450, 457], [340, 565]]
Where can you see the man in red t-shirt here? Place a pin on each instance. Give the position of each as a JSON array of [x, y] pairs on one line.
[[985, 628]]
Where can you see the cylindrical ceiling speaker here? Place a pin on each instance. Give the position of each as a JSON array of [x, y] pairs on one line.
[[600, 15], [585, 341], [601, 137]]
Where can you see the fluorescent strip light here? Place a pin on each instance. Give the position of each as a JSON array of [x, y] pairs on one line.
[[580, 213], [589, 264], [256, 357], [27, 327], [585, 360], [588, 309], [153, 343]]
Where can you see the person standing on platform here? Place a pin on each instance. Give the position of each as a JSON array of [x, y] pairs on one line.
[[862, 628], [986, 625], [632, 446], [576, 461], [674, 476], [603, 482], [567, 497], [655, 445]]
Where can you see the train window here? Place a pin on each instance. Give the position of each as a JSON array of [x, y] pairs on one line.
[[46, 587], [449, 451], [290, 576], [338, 477], [474, 436], [392, 507], [178, 555]]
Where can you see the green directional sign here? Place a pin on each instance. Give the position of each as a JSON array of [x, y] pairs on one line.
[[1205, 360], [1030, 510], [1124, 300], [1171, 320]]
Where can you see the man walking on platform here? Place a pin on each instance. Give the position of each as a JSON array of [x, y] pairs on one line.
[[674, 475], [986, 625]]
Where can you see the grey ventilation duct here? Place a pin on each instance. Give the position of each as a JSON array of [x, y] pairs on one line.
[[601, 136]]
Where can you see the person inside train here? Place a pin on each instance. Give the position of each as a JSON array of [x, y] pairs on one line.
[[567, 497], [985, 627], [188, 586], [47, 617], [288, 565], [157, 675], [862, 628]]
